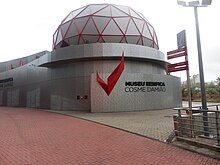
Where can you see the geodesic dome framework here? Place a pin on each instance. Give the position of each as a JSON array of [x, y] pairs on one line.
[[105, 23]]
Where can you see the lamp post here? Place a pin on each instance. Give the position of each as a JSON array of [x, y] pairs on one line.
[[195, 5]]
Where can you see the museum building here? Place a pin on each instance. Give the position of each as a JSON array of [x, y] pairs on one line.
[[105, 58]]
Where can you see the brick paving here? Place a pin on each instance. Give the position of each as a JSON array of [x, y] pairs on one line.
[[36, 137], [156, 124]]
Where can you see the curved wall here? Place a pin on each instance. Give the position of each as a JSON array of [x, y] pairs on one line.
[[65, 79], [101, 50]]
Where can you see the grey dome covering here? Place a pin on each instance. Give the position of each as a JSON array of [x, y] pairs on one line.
[[105, 23]]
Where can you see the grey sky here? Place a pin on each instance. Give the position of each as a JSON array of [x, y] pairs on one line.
[[27, 27]]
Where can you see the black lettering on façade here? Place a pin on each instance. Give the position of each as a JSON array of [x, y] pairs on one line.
[[143, 83]]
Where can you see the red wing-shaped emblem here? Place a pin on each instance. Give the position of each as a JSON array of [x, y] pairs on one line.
[[113, 78]]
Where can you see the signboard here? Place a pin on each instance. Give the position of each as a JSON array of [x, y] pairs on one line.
[[181, 39]]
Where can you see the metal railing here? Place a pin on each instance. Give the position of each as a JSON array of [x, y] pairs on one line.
[[190, 123]]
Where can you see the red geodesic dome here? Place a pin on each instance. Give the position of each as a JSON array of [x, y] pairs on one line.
[[105, 23]]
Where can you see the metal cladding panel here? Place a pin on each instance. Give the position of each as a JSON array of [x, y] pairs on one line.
[[65, 84], [125, 98], [86, 68], [15, 97], [26, 82], [9, 98], [17, 63], [101, 50], [64, 94], [1, 97]]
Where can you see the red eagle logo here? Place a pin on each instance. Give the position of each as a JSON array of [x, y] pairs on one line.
[[113, 78]]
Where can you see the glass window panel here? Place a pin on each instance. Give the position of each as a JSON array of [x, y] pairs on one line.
[[86, 11], [122, 23], [80, 23], [55, 36], [146, 32], [156, 46], [101, 40], [101, 22], [81, 41], [59, 37], [134, 14], [64, 43], [117, 13], [132, 30], [151, 29], [69, 17], [139, 23], [123, 40], [73, 14], [104, 12], [112, 29], [73, 40], [95, 8], [72, 31], [147, 42], [90, 28], [90, 39], [58, 46], [123, 8], [132, 39], [65, 27], [76, 12], [112, 39], [155, 40], [140, 15], [140, 41]]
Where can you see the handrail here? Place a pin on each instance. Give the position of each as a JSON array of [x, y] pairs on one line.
[[187, 108], [189, 124]]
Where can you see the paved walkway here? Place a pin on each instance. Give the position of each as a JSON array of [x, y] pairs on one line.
[[157, 124], [38, 137]]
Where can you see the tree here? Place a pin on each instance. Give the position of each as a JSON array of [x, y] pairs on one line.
[[218, 80]]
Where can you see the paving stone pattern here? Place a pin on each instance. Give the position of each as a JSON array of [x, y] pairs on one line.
[[37, 137], [157, 124]]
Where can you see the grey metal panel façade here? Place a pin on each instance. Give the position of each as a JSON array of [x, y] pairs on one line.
[[136, 98], [102, 50], [65, 79]]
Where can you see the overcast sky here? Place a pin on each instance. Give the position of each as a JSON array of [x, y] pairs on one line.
[[27, 27]]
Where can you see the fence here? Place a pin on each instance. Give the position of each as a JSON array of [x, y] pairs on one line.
[[198, 123]]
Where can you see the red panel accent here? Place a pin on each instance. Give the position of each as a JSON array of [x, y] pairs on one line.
[[177, 51], [177, 69], [176, 55], [178, 66], [113, 78]]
